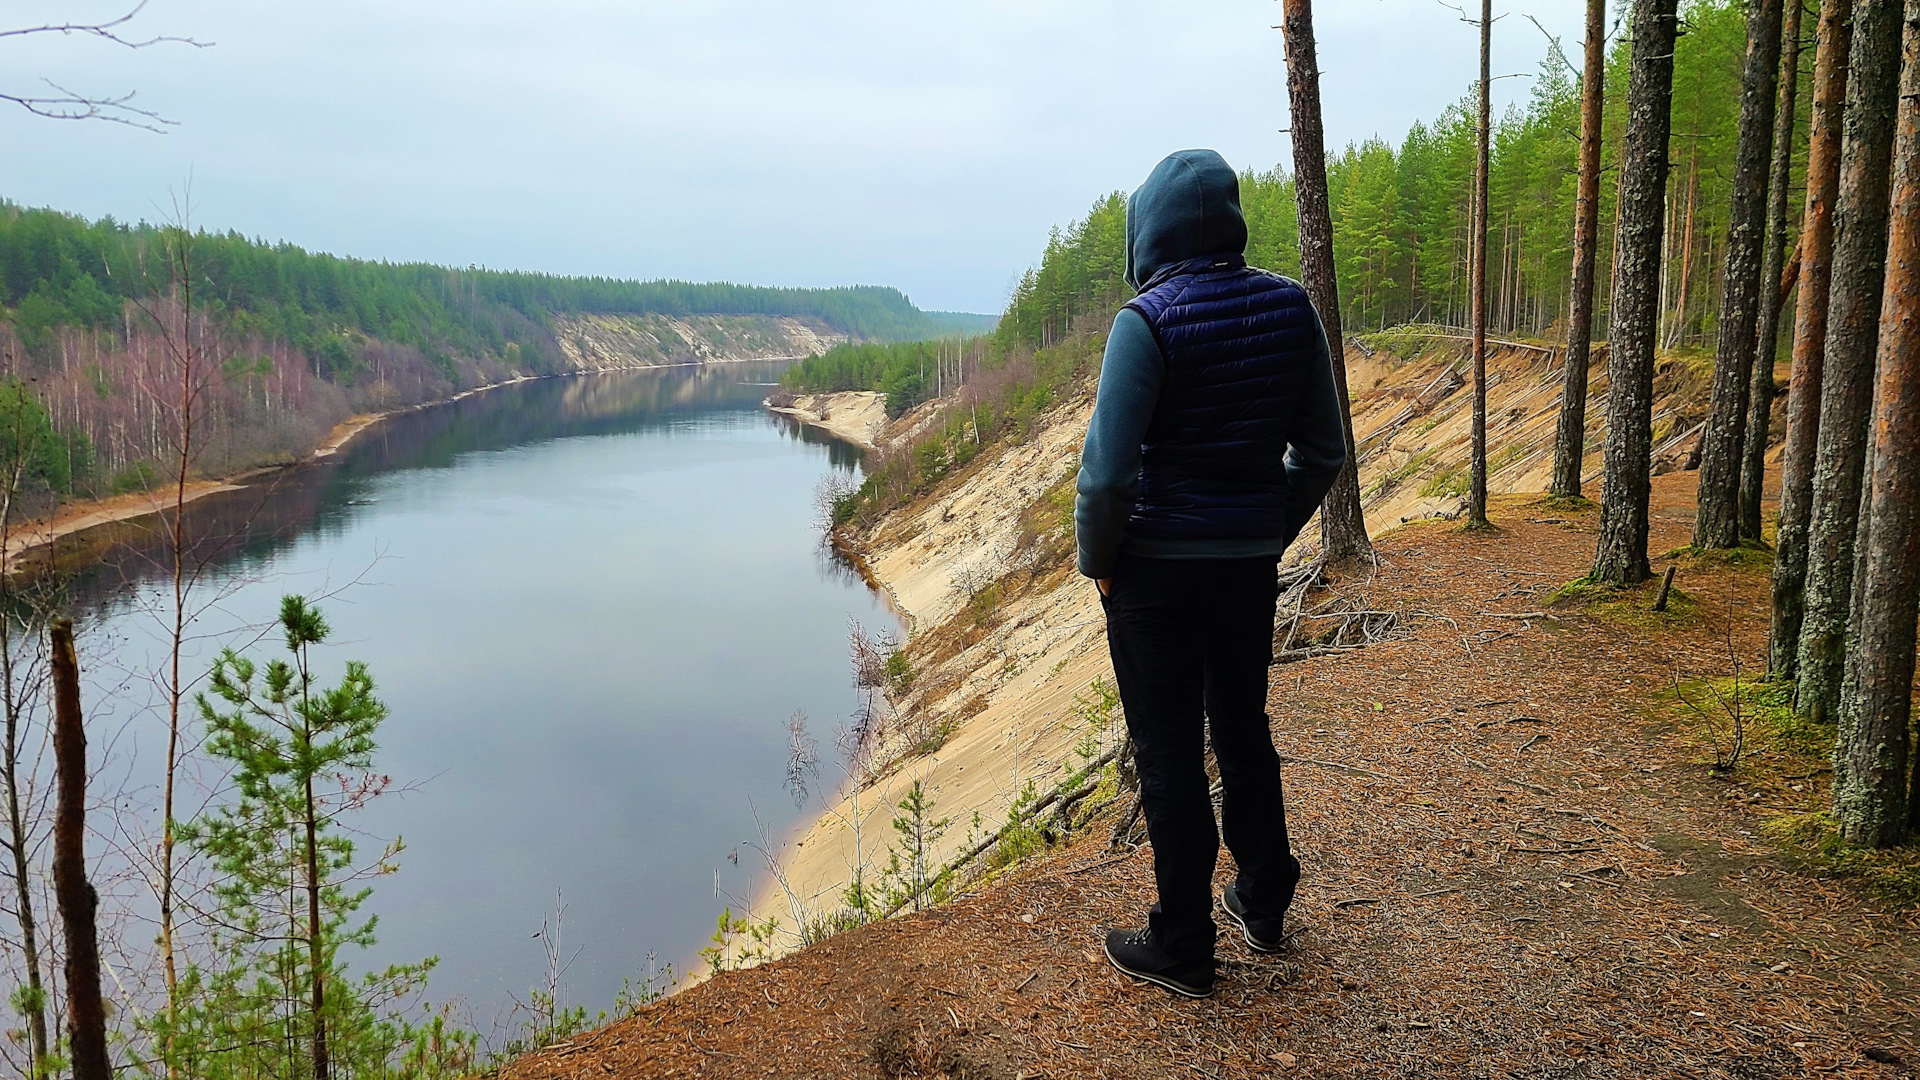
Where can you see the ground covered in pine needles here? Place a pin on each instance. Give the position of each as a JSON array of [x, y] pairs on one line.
[[1520, 862]]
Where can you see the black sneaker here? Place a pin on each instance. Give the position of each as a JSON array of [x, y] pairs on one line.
[[1261, 934], [1133, 952]]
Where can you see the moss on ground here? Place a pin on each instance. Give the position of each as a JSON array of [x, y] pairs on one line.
[[1631, 605], [1572, 504], [1749, 553], [1892, 874]]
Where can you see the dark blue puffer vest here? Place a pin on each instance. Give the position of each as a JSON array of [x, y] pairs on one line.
[[1238, 345]]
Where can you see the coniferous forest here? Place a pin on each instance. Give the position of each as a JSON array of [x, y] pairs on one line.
[[303, 339], [1725, 187]]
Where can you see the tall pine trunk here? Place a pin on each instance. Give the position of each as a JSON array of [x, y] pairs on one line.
[[1570, 441], [1343, 525], [1760, 389], [1477, 493], [1677, 329], [1718, 522], [1853, 323], [1827, 116], [86, 1012], [1870, 785], [1621, 555]]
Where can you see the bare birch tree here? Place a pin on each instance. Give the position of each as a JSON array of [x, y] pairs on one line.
[[1620, 558]]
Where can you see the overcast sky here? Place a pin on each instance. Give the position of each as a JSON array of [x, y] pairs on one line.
[[928, 146]]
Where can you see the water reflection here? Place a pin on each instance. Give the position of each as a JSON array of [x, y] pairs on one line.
[[592, 604], [249, 525]]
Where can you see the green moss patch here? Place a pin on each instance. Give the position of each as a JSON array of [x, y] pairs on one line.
[[1892, 874], [1628, 606]]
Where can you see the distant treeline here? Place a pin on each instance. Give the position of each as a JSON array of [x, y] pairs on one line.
[[288, 342], [57, 269]]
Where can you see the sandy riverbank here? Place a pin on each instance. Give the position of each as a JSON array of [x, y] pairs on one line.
[[858, 416]]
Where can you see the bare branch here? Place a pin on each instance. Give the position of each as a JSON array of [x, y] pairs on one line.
[[107, 31], [68, 105]]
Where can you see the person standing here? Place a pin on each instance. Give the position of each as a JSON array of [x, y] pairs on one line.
[[1215, 434]]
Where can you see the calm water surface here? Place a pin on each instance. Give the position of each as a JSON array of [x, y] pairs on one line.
[[591, 605]]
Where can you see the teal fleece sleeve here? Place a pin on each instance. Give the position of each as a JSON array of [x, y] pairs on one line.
[[1109, 482]]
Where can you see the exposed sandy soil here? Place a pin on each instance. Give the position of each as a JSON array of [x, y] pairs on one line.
[[1518, 865], [1009, 680], [613, 342], [858, 416]]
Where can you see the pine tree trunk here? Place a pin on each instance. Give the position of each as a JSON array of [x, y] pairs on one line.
[[86, 1014], [1835, 40], [1570, 442], [1760, 388], [1477, 493], [1621, 555], [1853, 317], [1870, 785], [1676, 330], [1717, 524], [1343, 525], [316, 945]]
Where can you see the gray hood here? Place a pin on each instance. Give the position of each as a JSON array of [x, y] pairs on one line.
[[1188, 207]]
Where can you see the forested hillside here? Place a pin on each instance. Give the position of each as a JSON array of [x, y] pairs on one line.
[[1401, 212], [289, 342], [1401, 225]]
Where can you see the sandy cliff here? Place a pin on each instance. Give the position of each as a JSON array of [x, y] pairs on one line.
[[1000, 680], [611, 342]]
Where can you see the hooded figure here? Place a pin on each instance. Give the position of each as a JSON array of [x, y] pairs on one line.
[[1215, 434]]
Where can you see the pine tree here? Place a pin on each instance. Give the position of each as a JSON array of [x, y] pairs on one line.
[[1570, 439], [1871, 797], [1343, 524], [1760, 391], [1482, 163], [275, 1000], [1835, 40], [1717, 524], [1853, 316], [1620, 558]]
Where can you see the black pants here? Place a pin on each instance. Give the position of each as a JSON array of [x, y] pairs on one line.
[[1192, 636]]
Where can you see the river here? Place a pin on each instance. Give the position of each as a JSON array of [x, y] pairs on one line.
[[591, 605]]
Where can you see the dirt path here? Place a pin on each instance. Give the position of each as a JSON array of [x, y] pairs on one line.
[[1518, 865]]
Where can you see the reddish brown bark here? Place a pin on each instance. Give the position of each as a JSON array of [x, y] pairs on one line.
[[86, 1014], [1853, 323], [1809, 336], [1872, 800], [1477, 492], [1760, 389], [1570, 440], [1717, 524], [1343, 525]]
